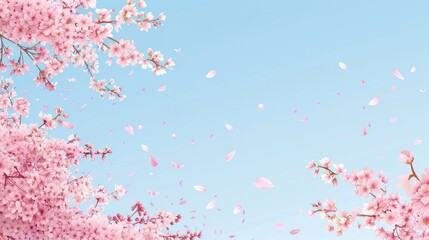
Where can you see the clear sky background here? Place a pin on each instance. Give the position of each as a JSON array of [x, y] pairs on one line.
[[283, 54]]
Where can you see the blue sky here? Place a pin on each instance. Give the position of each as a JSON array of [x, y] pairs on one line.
[[285, 55]]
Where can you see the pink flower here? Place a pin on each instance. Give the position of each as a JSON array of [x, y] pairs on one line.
[[406, 157]]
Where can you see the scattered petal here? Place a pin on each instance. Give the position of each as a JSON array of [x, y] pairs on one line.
[[152, 193], [365, 132], [417, 142], [72, 79], [393, 89], [129, 129], [162, 88], [145, 148], [342, 65], [362, 82], [132, 172], [211, 205], [229, 127], [374, 101], [140, 127], [237, 209], [68, 125], [263, 183], [305, 119], [279, 226], [45, 107], [177, 49], [182, 201], [153, 161], [211, 74], [230, 155], [261, 106], [295, 231], [176, 165], [397, 74], [393, 119], [413, 69], [200, 188], [174, 135]]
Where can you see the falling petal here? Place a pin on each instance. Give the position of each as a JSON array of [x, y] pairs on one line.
[[393, 89], [193, 141], [237, 209], [365, 132], [279, 226], [140, 127], [263, 183], [363, 82], [132, 172], [413, 69], [230, 155], [229, 127], [68, 125], [162, 88], [211, 136], [129, 129], [343, 66], [295, 111], [295, 231], [338, 94], [417, 142], [317, 104], [72, 79], [211, 74], [182, 201], [305, 119], [164, 123], [131, 72], [45, 107], [374, 101], [211, 205], [177, 49], [152, 193], [397, 74], [173, 136], [176, 165], [153, 161], [145, 148], [422, 90], [393, 119], [200, 188], [261, 106]]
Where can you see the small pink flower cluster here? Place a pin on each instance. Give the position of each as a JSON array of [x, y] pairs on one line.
[[38, 187], [407, 220], [39, 25]]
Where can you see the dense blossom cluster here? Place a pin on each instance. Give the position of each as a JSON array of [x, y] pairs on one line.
[[386, 213], [53, 34], [38, 186]]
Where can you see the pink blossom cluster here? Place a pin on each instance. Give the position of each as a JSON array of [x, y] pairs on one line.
[[52, 34], [40, 197], [391, 217]]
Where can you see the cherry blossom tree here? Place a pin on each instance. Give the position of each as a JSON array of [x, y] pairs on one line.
[[54, 34], [40, 196], [390, 216]]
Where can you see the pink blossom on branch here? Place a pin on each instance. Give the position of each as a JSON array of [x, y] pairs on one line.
[[396, 218], [38, 187], [52, 34]]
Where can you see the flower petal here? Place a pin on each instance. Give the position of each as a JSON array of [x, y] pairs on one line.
[[263, 183], [230, 156], [211, 74]]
